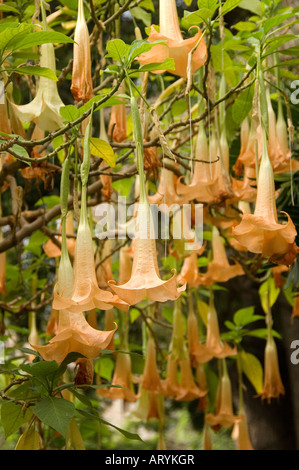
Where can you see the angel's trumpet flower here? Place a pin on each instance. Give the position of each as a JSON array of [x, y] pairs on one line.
[[52, 250], [273, 386], [74, 334], [176, 47], [166, 193], [125, 266], [188, 390], [81, 86], [207, 443], [171, 385], [200, 187], [104, 268], [44, 108], [117, 129], [145, 280], [260, 232], [245, 190], [123, 378], [214, 346], [224, 415], [240, 433], [86, 293], [189, 272], [219, 270], [151, 379], [192, 333]]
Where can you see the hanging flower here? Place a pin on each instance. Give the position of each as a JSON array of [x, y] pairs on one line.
[[273, 386], [214, 346], [52, 250], [44, 108], [176, 47], [125, 266], [224, 415], [145, 280], [122, 378], [240, 433], [219, 270], [188, 390], [81, 86], [170, 385], [189, 272], [151, 379], [117, 130], [260, 232], [207, 443], [245, 190], [166, 193]]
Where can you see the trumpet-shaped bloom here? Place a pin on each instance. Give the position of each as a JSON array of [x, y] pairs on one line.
[[44, 108], [166, 193], [241, 435], [189, 272], [188, 390], [219, 270], [86, 294], [81, 86], [224, 415], [273, 386], [145, 280], [52, 250], [117, 129], [74, 334], [260, 232], [123, 378], [171, 385], [151, 379], [214, 346], [245, 190], [176, 47]]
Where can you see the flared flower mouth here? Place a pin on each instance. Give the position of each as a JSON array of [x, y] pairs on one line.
[[122, 387], [74, 334], [176, 47]]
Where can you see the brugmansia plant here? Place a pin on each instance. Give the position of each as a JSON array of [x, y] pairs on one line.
[[149, 192]]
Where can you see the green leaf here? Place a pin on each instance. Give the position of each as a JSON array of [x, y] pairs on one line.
[[37, 38], [148, 5], [138, 47], [117, 49], [36, 241], [134, 314], [8, 8], [55, 412], [276, 20], [251, 5], [35, 70], [40, 369], [12, 417], [244, 26], [70, 113], [253, 370], [262, 333], [140, 14], [268, 290], [230, 5], [167, 64], [242, 105], [243, 316], [209, 4], [102, 149]]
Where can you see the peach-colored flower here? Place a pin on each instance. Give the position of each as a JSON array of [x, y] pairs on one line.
[[245, 190], [74, 334], [219, 270], [109, 325], [241, 435], [171, 385], [104, 270], [214, 346], [52, 324], [86, 294], [260, 232], [123, 377], [176, 47], [151, 378], [166, 192], [145, 280], [273, 386], [192, 334], [188, 390], [189, 272], [224, 415], [52, 250], [207, 443], [117, 130], [81, 86], [125, 266]]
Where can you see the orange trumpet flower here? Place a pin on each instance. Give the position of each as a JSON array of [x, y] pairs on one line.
[[240, 433], [273, 386], [260, 232], [224, 415], [123, 377], [171, 385], [214, 346], [188, 390], [145, 280], [176, 47], [151, 379], [81, 86], [52, 250], [219, 270], [117, 129], [166, 193]]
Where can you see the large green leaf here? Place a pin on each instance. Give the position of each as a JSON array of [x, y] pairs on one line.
[[35, 70], [253, 370], [55, 412], [12, 417], [100, 148]]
